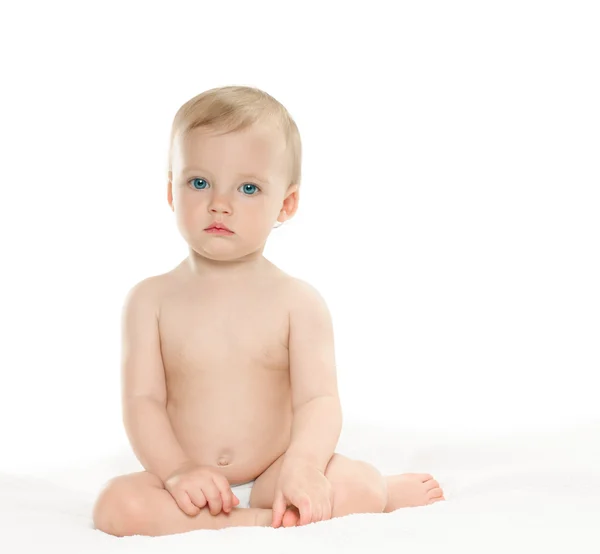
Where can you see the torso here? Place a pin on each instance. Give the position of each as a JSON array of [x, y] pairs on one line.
[[225, 353]]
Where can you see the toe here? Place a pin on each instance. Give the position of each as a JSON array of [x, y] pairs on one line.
[[432, 484], [435, 493], [290, 518], [425, 476]]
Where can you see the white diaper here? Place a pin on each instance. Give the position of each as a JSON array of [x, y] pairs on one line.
[[243, 491]]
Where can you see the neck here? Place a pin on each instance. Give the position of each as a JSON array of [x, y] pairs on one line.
[[238, 268]]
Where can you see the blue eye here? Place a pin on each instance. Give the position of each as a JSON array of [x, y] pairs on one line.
[[198, 188], [252, 187], [249, 189]]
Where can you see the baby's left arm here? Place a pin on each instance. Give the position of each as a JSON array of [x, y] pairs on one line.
[[317, 420]]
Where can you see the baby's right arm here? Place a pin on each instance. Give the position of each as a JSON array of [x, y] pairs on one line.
[[143, 386]]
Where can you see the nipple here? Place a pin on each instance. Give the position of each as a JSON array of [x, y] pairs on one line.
[[223, 461]]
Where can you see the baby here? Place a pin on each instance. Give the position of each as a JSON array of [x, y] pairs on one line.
[[228, 372]]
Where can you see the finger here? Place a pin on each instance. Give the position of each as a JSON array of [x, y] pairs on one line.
[[234, 500], [322, 509], [226, 493], [317, 514], [213, 496], [305, 510], [314, 512], [185, 504], [197, 497], [279, 507], [328, 511]]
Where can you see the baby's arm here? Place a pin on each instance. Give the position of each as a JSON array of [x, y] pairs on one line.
[[143, 386], [317, 420]]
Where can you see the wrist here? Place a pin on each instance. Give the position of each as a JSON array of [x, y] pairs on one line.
[[179, 468], [304, 458]]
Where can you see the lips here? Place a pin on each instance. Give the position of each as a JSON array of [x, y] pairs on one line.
[[219, 227]]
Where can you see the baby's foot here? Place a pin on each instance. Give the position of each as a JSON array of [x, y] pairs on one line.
[[291, 517], [412, 489]]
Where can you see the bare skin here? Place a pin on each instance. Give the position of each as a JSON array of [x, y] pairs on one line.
[[235, 339], [213, 349], [224, 349], [226, 344]]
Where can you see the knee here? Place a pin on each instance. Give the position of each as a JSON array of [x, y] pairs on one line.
[[364, 486], [118, 510]]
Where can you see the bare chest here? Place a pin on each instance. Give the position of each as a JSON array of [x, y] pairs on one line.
[[221, 334], [226, 360]]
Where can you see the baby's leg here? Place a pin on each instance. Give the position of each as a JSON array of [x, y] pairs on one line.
[[138, 504]]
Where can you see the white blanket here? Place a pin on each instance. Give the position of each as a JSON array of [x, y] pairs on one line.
[[531, 492]]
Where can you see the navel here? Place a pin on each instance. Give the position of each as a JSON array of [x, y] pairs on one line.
[[224, 460]]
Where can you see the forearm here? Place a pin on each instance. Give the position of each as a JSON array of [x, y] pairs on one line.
[[316, 429], [152, 438]]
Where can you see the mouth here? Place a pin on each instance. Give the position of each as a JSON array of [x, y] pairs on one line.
[[219, 230]]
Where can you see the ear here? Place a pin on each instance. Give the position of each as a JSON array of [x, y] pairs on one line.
[[170, 192], [290, 203]]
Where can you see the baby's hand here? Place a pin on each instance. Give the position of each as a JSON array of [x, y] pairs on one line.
[[305, 487], [193, 487]]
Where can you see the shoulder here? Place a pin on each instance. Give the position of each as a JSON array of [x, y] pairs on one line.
[[310, 320], [302, 295], [147, 294], [152, 290]]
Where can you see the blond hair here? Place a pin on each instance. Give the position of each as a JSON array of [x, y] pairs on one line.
[[234, 108]]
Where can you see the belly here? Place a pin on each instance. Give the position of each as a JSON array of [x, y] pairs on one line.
[[237, 425]]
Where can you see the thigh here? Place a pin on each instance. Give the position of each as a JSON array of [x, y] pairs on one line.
[[129, 486], [139, 479]]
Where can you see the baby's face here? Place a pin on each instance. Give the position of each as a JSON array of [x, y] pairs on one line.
[[237, 179]]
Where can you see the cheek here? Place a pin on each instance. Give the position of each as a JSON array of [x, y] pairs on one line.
[[260, 215], [187, 213]]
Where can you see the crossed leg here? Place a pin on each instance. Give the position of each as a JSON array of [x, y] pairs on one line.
[[358, 487], [138, 504]]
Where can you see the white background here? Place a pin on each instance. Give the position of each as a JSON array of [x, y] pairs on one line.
[[448, 213]]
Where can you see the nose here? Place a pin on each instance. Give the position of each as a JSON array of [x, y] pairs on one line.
[[219, 205]]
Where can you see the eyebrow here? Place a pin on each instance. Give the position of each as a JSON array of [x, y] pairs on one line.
[[244, 175]]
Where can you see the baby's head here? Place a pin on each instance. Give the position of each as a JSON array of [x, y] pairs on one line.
[[235, 159]]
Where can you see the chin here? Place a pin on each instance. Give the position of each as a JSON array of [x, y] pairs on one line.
[[219, 252], [227, 254], [216, 256]]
